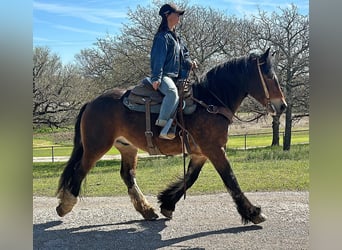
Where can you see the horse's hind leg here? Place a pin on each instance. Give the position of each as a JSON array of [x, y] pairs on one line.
[[128, 168], [170, 196], [86, 152], [70, 183]]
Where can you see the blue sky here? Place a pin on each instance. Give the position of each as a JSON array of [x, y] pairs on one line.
[[67, 26]]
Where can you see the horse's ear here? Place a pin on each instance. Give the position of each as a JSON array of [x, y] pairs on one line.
[[267, 53], [265, 56]]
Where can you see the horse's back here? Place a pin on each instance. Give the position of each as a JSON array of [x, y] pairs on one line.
[[114, 94]]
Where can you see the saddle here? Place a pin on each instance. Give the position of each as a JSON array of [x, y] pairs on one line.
[[140, 94], [143, 98]]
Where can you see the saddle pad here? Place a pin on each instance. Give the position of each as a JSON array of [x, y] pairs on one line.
[[141, 92], [140, 107]]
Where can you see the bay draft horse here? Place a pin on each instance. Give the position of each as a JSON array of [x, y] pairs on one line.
[[105, 122]]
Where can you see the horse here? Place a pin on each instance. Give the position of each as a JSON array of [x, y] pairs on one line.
[[105, 122]]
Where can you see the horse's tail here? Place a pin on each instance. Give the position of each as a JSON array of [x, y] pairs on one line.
[[67, 180]]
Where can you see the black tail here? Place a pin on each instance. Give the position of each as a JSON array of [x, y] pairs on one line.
[[72, 175]]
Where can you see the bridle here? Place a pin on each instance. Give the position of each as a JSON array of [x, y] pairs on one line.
[[262, 80], [263, 84], [266, 92]]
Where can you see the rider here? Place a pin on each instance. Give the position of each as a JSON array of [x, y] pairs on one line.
[[170, 61]]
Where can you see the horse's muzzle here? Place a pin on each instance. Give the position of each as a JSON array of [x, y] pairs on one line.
[[276, 106]]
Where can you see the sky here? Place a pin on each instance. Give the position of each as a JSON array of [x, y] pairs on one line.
[[68, 26]]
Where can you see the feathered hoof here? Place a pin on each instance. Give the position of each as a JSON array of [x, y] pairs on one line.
[[67, 202], [260, 218], [61, 211], [150, 214], [166, 213]]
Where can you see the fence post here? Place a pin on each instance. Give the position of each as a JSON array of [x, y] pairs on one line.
[[52, 153], [245, 141]]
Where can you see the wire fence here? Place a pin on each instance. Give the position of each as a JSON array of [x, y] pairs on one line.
[[236, 141], [252, 140]]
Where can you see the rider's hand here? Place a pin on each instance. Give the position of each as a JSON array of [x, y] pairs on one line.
[[194, 64], [155, 85]]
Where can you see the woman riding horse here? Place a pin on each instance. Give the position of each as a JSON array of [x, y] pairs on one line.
[[106, 121], [170, 62]]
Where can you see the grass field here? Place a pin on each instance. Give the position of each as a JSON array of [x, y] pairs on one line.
[[259, 169], [58, 142], [47, 147]]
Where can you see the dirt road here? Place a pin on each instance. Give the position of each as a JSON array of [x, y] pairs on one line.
[[199, 222]]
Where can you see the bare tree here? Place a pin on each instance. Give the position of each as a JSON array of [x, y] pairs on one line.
[[58, 91], [212, 37], [124, 60], [288, 34], [207, 33], [107, 64]]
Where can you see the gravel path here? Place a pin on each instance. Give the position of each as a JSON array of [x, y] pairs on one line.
[[199, 222]]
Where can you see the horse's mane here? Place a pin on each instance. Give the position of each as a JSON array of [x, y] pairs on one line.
[[225, 80]]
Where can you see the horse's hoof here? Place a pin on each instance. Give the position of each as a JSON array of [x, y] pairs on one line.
[[260, 218], [67, 202], [166, 213], [60, 211], [150, 215]]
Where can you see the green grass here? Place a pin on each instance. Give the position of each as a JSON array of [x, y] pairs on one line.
[[56, 150], [261, 169], [46, 145]]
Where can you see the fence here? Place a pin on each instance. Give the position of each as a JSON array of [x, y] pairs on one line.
[[236, 141], [245, 141]]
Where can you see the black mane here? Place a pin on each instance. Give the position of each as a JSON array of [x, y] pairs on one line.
[[226, 81]]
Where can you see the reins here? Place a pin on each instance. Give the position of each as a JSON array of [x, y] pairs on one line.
[[252, 119], [263, 83], [183, 132], [234, 115], [267, 95]]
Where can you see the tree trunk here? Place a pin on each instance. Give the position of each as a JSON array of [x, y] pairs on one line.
[[275, 129], [288, 128]]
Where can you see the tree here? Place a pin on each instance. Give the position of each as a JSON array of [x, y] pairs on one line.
[[124, 60], [288, 34], [58, 91], [212, 37], [205, 31]]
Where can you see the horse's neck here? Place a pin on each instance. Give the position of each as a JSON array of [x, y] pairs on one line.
[[230, 98], [237, 103]]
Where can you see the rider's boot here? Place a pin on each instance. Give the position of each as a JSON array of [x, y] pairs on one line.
[[168, 132]]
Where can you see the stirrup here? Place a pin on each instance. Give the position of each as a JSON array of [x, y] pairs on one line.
[[168, 136]]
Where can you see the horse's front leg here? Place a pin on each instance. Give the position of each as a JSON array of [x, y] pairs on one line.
[[248, 212], [128, 167], [170, 196]]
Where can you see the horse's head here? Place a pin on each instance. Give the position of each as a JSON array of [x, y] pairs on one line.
[[266, 88]]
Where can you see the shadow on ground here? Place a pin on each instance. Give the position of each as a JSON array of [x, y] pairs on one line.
[[135, 234]]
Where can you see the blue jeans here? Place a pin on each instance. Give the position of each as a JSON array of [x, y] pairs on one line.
[[170, 100]]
